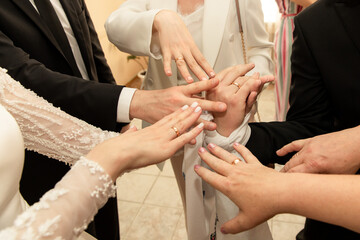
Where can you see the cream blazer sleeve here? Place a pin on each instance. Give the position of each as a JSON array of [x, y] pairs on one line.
[[257, 39], [130, 28]]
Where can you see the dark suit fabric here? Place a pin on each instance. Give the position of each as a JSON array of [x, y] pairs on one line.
[[324, 93], [33, 57]]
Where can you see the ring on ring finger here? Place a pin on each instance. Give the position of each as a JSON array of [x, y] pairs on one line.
[[177, 132], [180, 58], [236, 84], [235, 162]]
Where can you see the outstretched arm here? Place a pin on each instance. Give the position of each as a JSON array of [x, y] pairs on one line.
[[250, 185], [65, 211]]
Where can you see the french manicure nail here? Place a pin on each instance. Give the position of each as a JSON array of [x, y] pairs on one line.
[[185, 107], [204, 78], [190, 79], [194, 104], [236, 144], [201, 125], [196, 167], [198, 109], [201, 149], [211, 145], [212, 74]]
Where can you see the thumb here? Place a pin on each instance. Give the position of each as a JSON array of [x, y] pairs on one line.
[[236, 225]]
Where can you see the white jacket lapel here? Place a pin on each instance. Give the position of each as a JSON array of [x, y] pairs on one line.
[[215, 16]]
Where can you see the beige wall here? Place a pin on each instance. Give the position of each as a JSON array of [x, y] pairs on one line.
[[122, 70]]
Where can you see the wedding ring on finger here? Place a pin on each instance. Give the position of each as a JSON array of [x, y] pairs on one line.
[[180, 58], [176, 131], [235, 162], [236, 84]]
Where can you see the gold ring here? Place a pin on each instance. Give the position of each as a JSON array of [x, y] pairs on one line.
[[236, 84], [179, 58], [236, 161], [176, 131]]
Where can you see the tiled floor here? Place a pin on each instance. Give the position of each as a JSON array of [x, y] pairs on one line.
[[150, 205]]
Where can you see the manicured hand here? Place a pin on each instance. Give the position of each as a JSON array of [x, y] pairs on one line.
[[177, 44], [249, 185], [156, 143]]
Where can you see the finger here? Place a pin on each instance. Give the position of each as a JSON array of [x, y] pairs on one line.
[[246, 154], [198, 87], [200, 59], [294, 146], [293, 162], [186, 119], [251, 101], [208, 125], [214, 179], [187, 137], [238, 71], [236, 225], [221, 153], [193, 141], [267, 78], [173, 115], [167, 62], [218, 164], [211, 106], [194, 67], [181, 65]]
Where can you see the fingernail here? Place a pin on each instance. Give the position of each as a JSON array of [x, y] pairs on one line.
[[202, 150], [223, 230], [211, 145], [236, 144], [168, 73], [194, 104], [196, 167], [212, 74], [132, 126], [198, 109], [185, 107], [204, 78], [201, 125], [190, 79]]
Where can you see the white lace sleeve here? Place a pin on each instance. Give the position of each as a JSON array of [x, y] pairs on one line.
[[46, 129], [64, 212]]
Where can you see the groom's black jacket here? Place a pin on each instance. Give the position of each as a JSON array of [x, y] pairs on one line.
[[33, 57], [325, 90]]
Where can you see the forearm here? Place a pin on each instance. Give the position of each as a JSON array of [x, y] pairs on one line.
[[329, 198]]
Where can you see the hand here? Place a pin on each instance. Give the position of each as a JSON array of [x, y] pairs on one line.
[[239, 93], [156, 143], [155, 104], [249, 185], [177, 43], [336, 153]]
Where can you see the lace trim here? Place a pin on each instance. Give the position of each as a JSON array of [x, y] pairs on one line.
[[45, 128]]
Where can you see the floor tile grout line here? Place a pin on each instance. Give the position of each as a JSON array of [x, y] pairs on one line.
[[176, 226]]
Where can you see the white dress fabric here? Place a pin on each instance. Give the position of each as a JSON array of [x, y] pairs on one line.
[[206, 208], [65, 211]]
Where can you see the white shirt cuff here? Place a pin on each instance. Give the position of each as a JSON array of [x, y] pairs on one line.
[[123, 110]]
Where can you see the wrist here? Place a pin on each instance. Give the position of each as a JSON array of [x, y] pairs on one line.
[[135, 104]]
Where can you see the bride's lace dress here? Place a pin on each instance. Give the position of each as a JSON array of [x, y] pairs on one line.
[[65, 211]]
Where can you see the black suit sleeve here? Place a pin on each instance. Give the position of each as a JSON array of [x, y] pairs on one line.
[[310, 110], [96, 103]]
